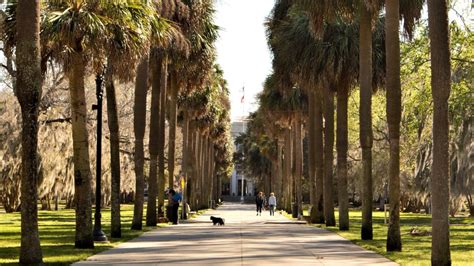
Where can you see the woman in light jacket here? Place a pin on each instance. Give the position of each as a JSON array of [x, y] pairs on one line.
[[272, 201]]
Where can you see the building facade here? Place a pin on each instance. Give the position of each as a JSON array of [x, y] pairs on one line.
[[233, 187]]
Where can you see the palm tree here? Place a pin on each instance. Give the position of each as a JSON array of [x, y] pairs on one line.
[[161, 133], [172, 114], [365, 118], [156, 67], [130, 30], [394, 242], [78, 26], [193, 69], [318, 10], [28, 92], [328, 112], [158, 62], [342, 147], [317, 216], [286, 104], [410, 11], [139, 118], [440, 87]]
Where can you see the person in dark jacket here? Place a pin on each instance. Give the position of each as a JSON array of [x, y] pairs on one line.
[[259, 201], [174, 199]]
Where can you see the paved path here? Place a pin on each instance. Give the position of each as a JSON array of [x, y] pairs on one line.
[[246, 239]]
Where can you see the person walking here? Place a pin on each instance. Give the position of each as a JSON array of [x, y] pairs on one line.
[[272, 202], [259, 201]]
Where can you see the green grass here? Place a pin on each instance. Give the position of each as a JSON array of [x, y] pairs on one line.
[[57, 231], [416, 250]]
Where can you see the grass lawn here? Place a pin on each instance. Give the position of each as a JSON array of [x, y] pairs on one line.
[[416, 249], [57, 233]]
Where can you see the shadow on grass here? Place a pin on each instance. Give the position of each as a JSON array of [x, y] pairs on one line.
[[57, 233]]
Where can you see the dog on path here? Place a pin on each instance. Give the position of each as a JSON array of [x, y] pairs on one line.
[[217, 220]]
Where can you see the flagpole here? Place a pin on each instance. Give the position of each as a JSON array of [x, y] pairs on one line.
[[243, 132]]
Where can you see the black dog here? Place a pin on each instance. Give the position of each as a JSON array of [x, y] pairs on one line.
[[217, 220]]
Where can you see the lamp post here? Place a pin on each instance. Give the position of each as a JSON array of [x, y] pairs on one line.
[[98, 234]]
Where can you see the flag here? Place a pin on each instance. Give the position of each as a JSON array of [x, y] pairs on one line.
[[243, 95]]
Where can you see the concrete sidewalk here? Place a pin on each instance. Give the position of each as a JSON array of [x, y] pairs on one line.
[[246, 239]]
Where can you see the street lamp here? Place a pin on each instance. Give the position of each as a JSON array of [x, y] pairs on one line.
[[98, 234]]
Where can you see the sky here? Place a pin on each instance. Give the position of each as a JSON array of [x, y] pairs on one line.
[[242, 50]]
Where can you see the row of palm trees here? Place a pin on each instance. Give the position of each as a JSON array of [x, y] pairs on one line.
[[326, 48], [168, 45]]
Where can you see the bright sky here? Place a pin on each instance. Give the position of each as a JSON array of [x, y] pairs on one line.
[[242, 49]]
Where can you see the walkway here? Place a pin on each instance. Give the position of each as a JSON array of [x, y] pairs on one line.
[[246, 239]]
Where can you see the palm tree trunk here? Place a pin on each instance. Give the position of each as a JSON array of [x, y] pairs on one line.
[[192, 164], [205, 171], [298, 165], [82, 171], [279, 180], [156, 69], [28, 90], [394, 99], [316, 150], [215, 177], [139, 118], [272, 175], [311, 161], [342, 146], [114, 152], [284, 188], [318, 158], [172, 129], [201, 170], [441, 87], [289, 178], [185, 160], [328, 157], [161, 137], [365, 117]]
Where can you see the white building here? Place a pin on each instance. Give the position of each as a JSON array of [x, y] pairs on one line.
[[234, 186]]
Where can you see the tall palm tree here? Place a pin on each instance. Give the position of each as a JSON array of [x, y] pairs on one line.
[[440, 86], [316, 65], [394, 242], [28, 91], [158, 62], [328, 112], [193, 70], [128, 40], [365, 118], [317, 136], [286, 104], [318, 11], [161, 133], [172, 114], [139, 118], [410, 11], [156, 68], [78, 26], [81, 30]]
